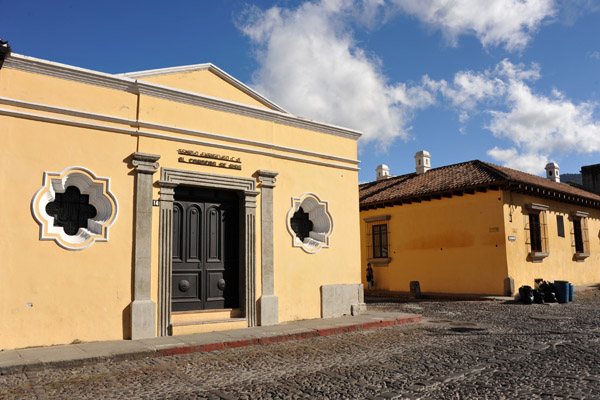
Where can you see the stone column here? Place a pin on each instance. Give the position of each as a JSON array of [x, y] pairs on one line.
[[269, 303], [165, 267], [248, 248], [143, 309]]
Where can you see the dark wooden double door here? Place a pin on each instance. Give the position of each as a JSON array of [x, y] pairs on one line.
[[205, 249]]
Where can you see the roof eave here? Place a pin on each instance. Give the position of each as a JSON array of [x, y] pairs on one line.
[[437, 195], [551, 194]]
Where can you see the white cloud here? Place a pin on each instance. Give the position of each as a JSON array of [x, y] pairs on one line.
[[571, 10], [542, 124], [310, 64], [469, 89], [530, 162], [510, 23], [537, 125], [595, 55]]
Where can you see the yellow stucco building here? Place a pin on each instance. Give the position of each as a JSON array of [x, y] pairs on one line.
[[166, 202], [477, 228]]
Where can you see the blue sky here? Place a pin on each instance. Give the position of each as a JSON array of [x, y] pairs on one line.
[[513, 82]]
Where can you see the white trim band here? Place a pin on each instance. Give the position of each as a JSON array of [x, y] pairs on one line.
[[170, 128], [63, 71], [137, 132]]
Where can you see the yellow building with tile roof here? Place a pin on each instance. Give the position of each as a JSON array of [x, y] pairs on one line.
[[477, 228]]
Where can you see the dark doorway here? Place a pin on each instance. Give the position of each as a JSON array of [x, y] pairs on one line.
[[205, 249]]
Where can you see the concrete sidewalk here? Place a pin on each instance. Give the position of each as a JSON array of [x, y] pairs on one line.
[[372, 295], [74, 355]]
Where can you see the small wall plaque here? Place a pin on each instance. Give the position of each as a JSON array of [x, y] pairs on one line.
[[210, 159], [512, 238], [155, 203]]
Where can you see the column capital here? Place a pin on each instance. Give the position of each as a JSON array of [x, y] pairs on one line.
[[266, 178], [167, 190], [250, 198], [145, 163]]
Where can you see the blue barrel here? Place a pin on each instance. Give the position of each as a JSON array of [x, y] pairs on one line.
[[562, 291], [571, 292]]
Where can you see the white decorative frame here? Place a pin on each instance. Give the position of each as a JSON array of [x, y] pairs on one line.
[[318, 214], [101, 198]]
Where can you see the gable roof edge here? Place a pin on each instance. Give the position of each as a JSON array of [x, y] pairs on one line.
[[119, 82], [206, 67]]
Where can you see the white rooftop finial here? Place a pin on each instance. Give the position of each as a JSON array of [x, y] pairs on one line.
[[552, 172], [382, 172], [422, 161]]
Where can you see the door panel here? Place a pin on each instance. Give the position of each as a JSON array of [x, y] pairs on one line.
[[186, 286], [194, 234], [205, 232], [214, 246], [215, 285], [177, 232]]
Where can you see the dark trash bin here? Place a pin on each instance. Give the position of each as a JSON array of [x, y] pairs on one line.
[[562, 291]]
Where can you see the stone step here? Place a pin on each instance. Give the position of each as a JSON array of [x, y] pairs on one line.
[[205, 315], [210, 325]]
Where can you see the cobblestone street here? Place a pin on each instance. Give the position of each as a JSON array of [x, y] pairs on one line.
[[463, 350]]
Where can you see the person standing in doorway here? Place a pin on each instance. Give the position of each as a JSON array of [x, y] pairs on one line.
[[369, 276]]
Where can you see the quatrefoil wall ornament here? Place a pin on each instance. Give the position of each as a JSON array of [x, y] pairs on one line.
[[310, 223], [75, 208]]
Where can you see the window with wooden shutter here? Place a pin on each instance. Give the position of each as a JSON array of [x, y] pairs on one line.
[[536, 231], [580, 235]]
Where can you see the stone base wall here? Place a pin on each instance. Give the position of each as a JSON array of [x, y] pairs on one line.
[[339, 300]]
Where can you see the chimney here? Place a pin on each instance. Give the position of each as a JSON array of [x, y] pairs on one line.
[[382, 172], [590, 175], [422, 161], [552, 172]]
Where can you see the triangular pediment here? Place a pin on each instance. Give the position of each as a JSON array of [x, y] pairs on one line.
[[205, 79]]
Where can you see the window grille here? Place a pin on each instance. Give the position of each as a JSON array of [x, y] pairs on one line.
[[377, 237], [380, 241]]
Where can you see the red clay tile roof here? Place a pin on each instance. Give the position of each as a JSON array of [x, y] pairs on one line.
[[470, 175]]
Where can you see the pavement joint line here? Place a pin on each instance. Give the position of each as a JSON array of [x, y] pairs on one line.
[[162, 350]]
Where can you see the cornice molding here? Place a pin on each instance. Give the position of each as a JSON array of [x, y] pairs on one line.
[[149, 125], [165, 71], [377, 218], [137, 132], [537, 207], [116, 82], [68, 72]]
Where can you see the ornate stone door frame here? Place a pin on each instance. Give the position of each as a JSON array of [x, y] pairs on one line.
[[170, 178]]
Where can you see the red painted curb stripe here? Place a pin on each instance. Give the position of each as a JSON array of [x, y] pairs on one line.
[[288, 337]]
